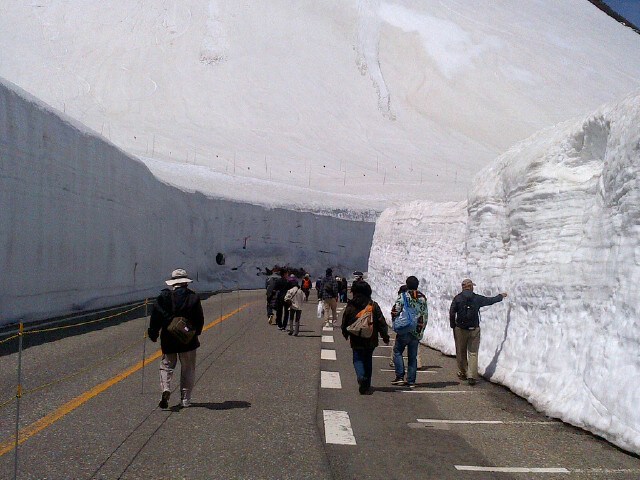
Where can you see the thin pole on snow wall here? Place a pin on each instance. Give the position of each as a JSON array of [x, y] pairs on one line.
[[18, 397]]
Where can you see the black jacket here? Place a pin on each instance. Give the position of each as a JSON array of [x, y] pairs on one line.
[[187, 304], [357, 303], [475, 302]]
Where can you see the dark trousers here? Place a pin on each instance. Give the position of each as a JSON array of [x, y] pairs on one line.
[[363, 365], [282, 315]]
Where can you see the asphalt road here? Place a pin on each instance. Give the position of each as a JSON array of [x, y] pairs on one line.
[[89, 411]]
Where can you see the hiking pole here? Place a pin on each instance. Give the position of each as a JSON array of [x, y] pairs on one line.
[[18, 397]]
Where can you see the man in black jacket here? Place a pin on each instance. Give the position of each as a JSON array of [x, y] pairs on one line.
[[177, 301], [464, 319]]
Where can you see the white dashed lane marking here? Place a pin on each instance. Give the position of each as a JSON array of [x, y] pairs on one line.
[[485, 422], [337, 428], [419, 371], [327, 329], [327, 339], [327, 354], [330, 380], [472, 468]]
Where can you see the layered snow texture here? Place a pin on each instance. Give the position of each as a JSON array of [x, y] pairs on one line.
[[83, 225], [361, 103], [554, 222]]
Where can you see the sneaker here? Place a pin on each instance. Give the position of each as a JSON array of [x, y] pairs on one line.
[[185, 403], [398, 381], [462, 376], [271, 322], [290, 332], [391, 364], [412, 385], [471, 381], [362, 389], [164, 402]]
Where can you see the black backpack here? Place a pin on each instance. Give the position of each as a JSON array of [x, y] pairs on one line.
[[466, 315]]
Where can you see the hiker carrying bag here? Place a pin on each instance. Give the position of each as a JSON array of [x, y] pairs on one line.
[[180, 328], [363, 325], [405, 321], [466, 316]]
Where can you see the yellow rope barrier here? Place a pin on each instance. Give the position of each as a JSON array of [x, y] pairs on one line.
[[9, 338], [31, 332]]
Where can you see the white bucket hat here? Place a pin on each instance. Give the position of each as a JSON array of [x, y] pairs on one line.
[[178, 276]]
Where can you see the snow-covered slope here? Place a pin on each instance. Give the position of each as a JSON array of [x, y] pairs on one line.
[[382, 101], [555, 223]]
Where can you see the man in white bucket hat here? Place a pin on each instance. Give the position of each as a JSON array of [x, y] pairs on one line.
[[177, 303]]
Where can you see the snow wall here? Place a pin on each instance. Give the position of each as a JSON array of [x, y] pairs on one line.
[[554, 222], [83, 225]]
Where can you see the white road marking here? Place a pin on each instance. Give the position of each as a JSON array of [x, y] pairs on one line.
[[385, 346], [337, 428], [327, 354], [434, 391], [419, 371], [330, 380], [327, 329], [471, 468], [488, 422], [327, 338]]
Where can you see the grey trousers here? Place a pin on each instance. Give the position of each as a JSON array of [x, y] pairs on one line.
[[467, 346], [187, 372]]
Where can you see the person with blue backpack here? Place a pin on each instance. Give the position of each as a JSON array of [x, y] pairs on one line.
[[410, 315], [464, 319]]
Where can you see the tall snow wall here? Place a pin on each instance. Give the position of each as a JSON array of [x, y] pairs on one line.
[[555, 222], [83, 225]]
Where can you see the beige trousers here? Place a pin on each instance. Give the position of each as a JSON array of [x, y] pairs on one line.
[[467, 346], [330, 310], [187, 372]]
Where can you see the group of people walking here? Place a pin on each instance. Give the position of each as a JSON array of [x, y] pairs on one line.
[[409, 316], [177, 319]]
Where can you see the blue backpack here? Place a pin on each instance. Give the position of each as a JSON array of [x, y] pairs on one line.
[[407, 320]]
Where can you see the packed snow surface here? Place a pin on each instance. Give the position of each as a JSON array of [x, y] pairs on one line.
[[555, 223], [318, 104]]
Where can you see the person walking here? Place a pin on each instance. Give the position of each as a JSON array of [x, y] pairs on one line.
[[363, 347], [306, 286], [394, 314], [294, 299], [270, 285], [343, 287], [177, 301], [319, 288], [410, 315], [282, 311], [464, 319], [330, 298]]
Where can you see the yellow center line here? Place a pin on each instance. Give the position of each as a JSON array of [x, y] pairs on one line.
[[48, 420]]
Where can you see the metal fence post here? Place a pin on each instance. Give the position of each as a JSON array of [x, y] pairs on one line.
[[18, 397], [144, 342]]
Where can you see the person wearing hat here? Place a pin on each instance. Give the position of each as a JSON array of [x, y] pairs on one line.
[[177, 300], [464, 319], [358, 277]]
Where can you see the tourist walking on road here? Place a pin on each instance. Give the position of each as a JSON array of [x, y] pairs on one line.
[[410, 316], [294, 298], [464, 319], [282, 311], [270, 285], [330, 298], [362, 346], [177, 306], [306, 286]]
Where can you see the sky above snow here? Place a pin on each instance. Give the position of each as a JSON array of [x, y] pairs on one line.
[[629, 9], [318, 105]]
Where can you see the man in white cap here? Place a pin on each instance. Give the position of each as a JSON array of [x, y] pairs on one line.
[[177, 303], [464, 318]]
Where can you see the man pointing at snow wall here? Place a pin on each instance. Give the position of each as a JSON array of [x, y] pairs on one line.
[[464, 318]]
